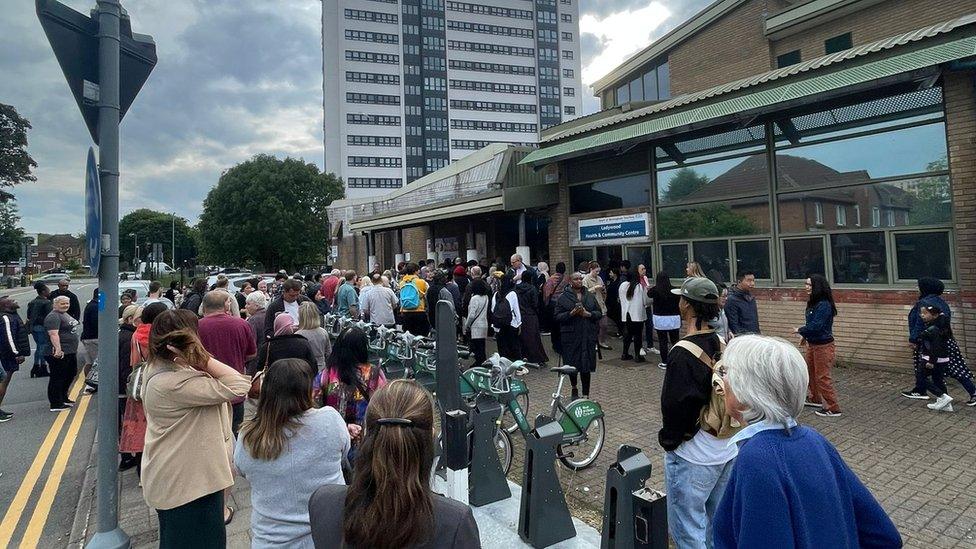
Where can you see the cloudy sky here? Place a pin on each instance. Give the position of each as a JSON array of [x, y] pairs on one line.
[[234, 78]]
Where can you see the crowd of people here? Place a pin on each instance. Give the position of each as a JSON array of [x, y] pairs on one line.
[[190, 359]]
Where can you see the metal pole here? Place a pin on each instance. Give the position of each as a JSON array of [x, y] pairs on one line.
[[521, 229], [172, 254], [109, 535]]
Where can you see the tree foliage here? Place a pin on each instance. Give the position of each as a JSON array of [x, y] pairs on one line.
[[11, 235], [16, 165], [932, 197], [685, 181], [703, 221], [269, 211], [151, 226]]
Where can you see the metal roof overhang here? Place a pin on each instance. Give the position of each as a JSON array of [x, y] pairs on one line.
[[914, 65], [482, 203]]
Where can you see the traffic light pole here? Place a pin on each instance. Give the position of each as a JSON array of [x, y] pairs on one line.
[[108, 534]]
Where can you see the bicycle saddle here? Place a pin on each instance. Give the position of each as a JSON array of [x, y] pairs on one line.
[[567, 370]]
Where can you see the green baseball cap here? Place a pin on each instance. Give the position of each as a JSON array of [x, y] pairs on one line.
[[698, 289]]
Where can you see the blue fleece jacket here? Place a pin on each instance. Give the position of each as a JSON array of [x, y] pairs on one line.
[[794, 491], [819, 328]]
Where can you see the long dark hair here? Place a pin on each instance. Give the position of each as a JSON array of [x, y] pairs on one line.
[[631, 286], [662, 283], [820, 291], [350, 350], [391, 482], [284, 397]]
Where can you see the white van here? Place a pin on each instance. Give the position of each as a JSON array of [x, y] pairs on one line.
[[159, 269]]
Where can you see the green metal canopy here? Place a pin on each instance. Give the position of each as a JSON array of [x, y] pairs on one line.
[[682, 112]]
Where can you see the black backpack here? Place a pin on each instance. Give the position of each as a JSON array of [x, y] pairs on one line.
[[501, 313]]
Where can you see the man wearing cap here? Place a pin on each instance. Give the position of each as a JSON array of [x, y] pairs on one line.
[[697, 463], [14, 347]]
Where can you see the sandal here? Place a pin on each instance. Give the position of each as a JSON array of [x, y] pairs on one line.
[[228, 517]]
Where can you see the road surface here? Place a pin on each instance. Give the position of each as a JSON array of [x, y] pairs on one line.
[[43, 455]]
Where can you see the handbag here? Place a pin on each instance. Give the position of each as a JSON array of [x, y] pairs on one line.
[[91, 379], [134, 385], [256, 381]]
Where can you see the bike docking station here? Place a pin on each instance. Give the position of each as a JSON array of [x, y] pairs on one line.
[[633, 516], [488, 482], [544, 518], [454, 416]]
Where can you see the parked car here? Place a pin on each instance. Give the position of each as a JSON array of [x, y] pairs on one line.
[[52, 278], [140, 286]]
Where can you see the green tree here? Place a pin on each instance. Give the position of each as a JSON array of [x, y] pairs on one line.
[[16, 164], [269, 211], [932, 197], [151, 226], [11, 235], [685, 181], [703, 221]]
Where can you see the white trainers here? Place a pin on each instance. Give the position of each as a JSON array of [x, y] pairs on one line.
[[942, 404]]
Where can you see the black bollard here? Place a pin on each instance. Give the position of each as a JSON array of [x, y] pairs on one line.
[[626, 476], [650, 519], [544, 518], [488, 483]]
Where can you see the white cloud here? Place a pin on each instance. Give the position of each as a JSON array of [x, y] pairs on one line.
[[622, 34]]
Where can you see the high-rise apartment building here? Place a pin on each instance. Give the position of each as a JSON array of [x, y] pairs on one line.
[[412, 85]]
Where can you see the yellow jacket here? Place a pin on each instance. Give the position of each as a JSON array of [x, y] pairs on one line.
[[421, 287]]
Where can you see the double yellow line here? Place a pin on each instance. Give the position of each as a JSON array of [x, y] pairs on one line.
[[42, 508]]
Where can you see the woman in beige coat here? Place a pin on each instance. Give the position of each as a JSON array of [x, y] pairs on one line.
[[186, 463]]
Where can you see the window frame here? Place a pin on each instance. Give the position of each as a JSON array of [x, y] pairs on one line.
[[828, 266]]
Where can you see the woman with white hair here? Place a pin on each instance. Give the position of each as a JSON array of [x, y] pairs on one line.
[[62, 331], [789, 487], [255, 305]]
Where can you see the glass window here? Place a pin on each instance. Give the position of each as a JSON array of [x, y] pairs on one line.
[[859, 258], [713, 256], [716, 180], [606, 254], [579, 255], [803, 257], [838, 43], [921, 149], [641, 255], [906, 203], [742, 217], [923, 254], [787, 59], [650, 85], [623, 94], [753, 255], [623, 192], [664, 81], [636, 90], [675, 259]]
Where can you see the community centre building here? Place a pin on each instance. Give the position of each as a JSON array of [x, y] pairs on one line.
[[824, 136]]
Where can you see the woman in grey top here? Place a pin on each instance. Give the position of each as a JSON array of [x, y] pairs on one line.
[[389, 503], [379, 302], [287, 451], [62, 330], [310, 327]]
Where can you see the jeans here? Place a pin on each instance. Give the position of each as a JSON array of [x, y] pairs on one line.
[[694, 492], [41, 339]]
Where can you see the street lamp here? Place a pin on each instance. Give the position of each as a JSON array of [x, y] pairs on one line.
[[135, 253], [173, 244]]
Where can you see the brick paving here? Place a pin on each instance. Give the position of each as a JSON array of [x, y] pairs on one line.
[[919, 464]]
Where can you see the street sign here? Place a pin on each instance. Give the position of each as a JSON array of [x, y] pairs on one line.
[[74, 38], [93, 213]]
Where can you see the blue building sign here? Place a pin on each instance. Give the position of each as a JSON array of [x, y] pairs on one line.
[[614, 228]]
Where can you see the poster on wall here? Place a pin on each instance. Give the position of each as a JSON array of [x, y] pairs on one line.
[[481, 244], [446, 248]]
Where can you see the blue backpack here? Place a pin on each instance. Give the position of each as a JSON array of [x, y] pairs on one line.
[[410, 296]]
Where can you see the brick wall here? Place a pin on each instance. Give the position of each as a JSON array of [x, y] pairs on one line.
[[559, 226], [415, 242], [960, 99], [731, 48], [875, 23]]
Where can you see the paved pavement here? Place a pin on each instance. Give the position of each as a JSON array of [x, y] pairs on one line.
[[919, 464], [43, 455]]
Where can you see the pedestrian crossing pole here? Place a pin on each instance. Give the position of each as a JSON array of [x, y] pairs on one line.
[[105, 66]]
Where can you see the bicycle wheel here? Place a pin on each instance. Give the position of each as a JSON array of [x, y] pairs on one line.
[[584, 452], [508, 422], [503, 444]]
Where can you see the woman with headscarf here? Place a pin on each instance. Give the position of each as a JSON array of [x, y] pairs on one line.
[[930, 295], [506, 317], [530, 336], [285, 343]]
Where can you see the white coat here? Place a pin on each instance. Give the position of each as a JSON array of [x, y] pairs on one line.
[[634, 309]]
